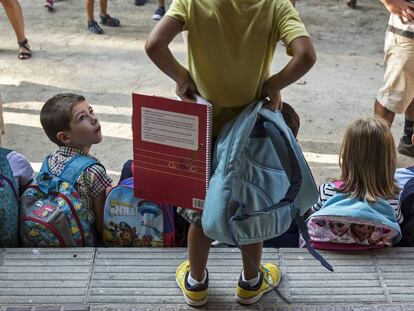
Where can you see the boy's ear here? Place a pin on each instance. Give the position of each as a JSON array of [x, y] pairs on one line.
[[64, 138], [412, 139]]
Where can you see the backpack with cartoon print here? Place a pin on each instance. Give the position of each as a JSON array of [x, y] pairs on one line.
[[51, 211], [346, 223], [130, 221]]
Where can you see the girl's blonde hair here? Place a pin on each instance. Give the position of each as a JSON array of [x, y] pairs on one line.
[[368, 160]]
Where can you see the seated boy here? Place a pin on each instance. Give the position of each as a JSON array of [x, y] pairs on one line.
[[70, 122]]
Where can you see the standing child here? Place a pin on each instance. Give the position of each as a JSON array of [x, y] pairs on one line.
[[70, 122], [104, 17], [229, 63], [367, 162]]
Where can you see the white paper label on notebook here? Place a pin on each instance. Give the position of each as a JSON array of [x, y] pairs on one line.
[[169, 128]]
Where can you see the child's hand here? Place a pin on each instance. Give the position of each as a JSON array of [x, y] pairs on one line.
[[272, 92], [186, 89]]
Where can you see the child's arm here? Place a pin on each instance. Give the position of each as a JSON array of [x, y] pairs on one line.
[[304, 57], [157, 49]]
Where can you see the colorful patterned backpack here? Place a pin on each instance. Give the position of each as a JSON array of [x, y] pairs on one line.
[[129, 221], [346, 223], [51, 212], [9, 203]]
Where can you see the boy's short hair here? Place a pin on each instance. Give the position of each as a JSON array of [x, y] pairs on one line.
[[291, 118], [56, 114]]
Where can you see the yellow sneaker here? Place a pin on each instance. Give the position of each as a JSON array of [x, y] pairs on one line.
[[270, 277], [196, 295]]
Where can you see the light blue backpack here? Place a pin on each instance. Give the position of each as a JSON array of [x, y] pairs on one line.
[[51, 210], [346, 223], [261, 181], [9, 203]]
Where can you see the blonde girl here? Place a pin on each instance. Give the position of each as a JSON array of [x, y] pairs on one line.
[[367, 162]]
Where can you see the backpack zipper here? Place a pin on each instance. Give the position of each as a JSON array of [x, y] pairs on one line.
[[48, 226]]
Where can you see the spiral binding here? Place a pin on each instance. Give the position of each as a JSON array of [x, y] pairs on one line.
[[208, 142], [209, 132]]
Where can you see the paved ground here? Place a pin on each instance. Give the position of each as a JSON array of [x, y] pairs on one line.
[[108, 68], [143, 277]]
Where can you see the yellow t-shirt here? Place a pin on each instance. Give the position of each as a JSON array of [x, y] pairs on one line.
[[231, 45]]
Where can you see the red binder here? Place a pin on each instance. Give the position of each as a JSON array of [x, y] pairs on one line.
[[171, 141]]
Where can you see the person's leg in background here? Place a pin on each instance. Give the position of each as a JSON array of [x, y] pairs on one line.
[[92, 24], [160, 11], [15, 15], [105, 18]]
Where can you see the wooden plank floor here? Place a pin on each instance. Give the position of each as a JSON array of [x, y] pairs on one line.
[[146, 276]]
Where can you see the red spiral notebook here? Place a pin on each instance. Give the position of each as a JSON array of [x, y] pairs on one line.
[[171, 146]]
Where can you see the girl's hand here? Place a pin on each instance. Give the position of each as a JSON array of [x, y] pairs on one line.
[[186, 88]]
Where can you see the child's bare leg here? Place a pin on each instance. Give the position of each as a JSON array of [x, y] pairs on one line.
[[89, 9], [198, 249], [251, 256], [103, 5], [15, 15]]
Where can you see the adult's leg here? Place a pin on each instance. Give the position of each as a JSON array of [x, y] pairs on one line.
[[408, 124], [381, 112], [409, 113], [15, 15]]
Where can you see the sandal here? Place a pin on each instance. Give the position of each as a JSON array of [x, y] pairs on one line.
[[351, 3], [107, 20], [24, 45], [94, 28]]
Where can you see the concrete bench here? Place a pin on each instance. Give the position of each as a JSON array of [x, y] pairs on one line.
[[144, 279]]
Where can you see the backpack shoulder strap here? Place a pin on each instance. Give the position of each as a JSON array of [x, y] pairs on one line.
[[4, 152], [75, 167]]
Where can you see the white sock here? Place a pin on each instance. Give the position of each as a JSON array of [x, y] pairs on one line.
[[193, 281], [251, 282]]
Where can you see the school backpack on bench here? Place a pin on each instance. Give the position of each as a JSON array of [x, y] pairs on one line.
[[51, 212], [346, 223], [9, 203], [406, 176], [130, 221], [261, 181]]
